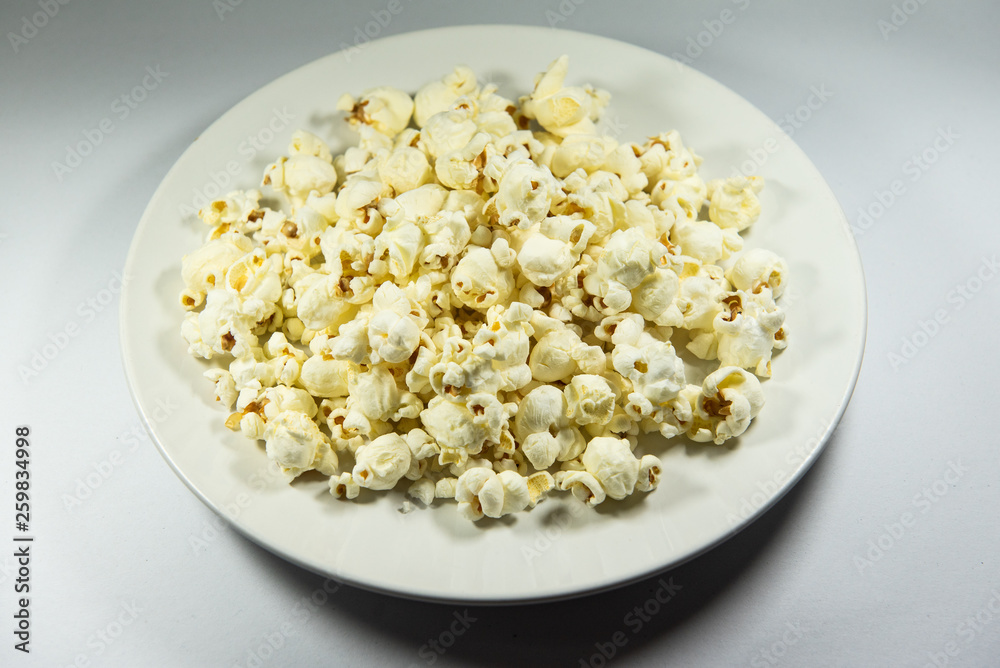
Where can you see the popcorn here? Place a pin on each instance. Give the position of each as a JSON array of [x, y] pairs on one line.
[[560, 353], [225, 386], [405, 169], [451, 425], [386, 109], [294, 442], [206, 268], [524, 195], [445, 488], [481, 281], [734, 203], [543, 429], [447, 234], [624, 163], [747, 332], [493, 114], [227, 323], [357, 199], [481, 492], [581, 151], [539, 485], [237, 211], [438, 96], [542, 259], [611, 462], [627, 259], [350, 344], [505, 341], [699, 300], [343, 486], [583, 485], [447, 131], [656, 374], [326, 377], [759, 268], [252, 426], [282, 398], [482, 309], [563, 110], [397, 248], [304, 142], [728, 400], [650, 470], [665, 157], [299, 176], [684, 197], [461, 169], [705, 241], [459, 372], [323, 303], [285, 359], [589, 400], [381, 463], [422, 490], [654, 298], [393, 330], [373, 394]]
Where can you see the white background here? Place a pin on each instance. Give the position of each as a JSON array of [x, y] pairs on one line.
[[808, 581]]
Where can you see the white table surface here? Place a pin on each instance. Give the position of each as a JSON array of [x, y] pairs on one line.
[[115, 580]]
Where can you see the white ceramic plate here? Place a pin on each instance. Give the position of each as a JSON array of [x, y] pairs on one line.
[[559, 549]]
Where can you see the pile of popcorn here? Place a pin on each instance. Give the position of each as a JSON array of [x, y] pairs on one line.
[[481, 296]]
